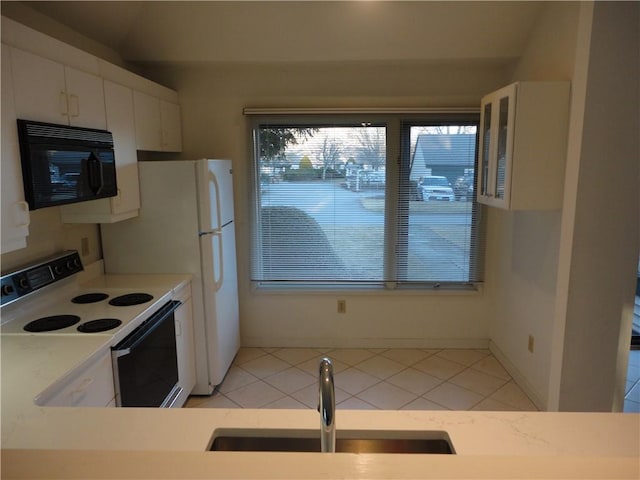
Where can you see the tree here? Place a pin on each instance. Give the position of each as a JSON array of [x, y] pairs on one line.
[[305, 164], [372, 146], [329, 154], [275, 140]]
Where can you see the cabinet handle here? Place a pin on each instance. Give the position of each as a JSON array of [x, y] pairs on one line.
[[74, 105], [178, 328], [64, 106], [24, 209]]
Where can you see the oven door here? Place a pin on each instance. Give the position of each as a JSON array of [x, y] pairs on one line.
[[145, 363]]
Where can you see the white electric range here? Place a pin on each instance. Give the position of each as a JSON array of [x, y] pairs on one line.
[[134, 315], [45, 298]]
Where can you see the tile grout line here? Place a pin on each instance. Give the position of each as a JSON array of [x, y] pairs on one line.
[[384, 380]]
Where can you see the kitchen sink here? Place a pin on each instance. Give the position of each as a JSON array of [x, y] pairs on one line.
[[425, 442]]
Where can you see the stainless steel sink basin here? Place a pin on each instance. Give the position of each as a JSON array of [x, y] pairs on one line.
[[433, 442]]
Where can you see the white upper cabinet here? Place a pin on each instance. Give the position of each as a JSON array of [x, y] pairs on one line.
[[85, 97], [157, 124], [48, 91], [121, 123], [15, 211], [171, 126], [523, 146], [46, 80]]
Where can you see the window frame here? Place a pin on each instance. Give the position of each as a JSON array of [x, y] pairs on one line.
[[398, 145]]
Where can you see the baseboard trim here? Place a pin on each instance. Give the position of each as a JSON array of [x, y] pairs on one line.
[[354, 342], [518, 377]]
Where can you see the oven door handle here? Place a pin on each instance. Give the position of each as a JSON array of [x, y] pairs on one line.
[[143, 331], [120, 353]]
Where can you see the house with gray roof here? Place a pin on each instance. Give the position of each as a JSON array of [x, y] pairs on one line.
[[448, 155]]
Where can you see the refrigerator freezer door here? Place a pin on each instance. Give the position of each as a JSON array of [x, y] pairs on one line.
[[164, 238], [215, 189], [222, 327]]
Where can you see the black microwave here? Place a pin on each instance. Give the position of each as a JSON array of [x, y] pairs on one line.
[[63, 164]]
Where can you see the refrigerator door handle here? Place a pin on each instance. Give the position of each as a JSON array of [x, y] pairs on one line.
[[219, 281], [216, 187], [216, 231]]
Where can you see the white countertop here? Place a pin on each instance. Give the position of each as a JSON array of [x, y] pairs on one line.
[[45, 442]]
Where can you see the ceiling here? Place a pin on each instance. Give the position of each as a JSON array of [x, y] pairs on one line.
[[291, 31]]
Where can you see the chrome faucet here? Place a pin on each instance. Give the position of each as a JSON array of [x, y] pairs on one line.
[[327, 407]]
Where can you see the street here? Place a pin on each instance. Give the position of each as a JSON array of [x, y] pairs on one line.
[[437, 243]]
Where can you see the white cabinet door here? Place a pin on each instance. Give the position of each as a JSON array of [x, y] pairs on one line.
[[158, 124], [497, 114], [121, 123], [85, 97], [523, 146], [148, 123], [47, 91], [185, 347], [171, 126], [91, 386], [15, 211], [39, 86]]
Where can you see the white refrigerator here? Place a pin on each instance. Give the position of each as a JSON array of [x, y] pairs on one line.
[[186, 226]]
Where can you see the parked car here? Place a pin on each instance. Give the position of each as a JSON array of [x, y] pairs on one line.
[[436, 188], [463, 187], [365, 179]]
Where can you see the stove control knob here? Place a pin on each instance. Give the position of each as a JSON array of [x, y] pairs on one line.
[[58, 269], [7, 290], [23, 283], [73, 264]]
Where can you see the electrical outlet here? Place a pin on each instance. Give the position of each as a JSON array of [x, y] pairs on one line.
[[342, 306], [530, 344]]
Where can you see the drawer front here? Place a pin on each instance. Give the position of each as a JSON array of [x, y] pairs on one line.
[[92, 387]]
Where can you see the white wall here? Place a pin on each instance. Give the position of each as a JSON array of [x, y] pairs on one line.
[[568, 277], [212, 100], [601, 223], [48, 236], [524, 246]]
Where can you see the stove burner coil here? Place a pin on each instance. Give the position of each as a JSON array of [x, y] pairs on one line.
[[99, 325], [48, 324], [89, 298], [130, 299]]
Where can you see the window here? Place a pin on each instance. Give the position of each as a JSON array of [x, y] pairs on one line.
[[370, 202]]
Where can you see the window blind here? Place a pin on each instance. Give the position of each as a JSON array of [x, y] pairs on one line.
[[341, 201]]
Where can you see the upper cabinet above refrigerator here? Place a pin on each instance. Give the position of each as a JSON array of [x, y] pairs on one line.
[[523, 146], [158, 125]]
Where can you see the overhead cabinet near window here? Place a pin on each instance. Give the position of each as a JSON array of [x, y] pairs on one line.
[[157, 124], [523, 146], [49, 91]]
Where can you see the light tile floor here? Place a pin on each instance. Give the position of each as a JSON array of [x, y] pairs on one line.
[[387, 379], [632, 391]]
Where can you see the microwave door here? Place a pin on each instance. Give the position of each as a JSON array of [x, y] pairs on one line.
[[63, 164]]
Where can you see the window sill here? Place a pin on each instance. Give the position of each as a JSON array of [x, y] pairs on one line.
[[378, 290]]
